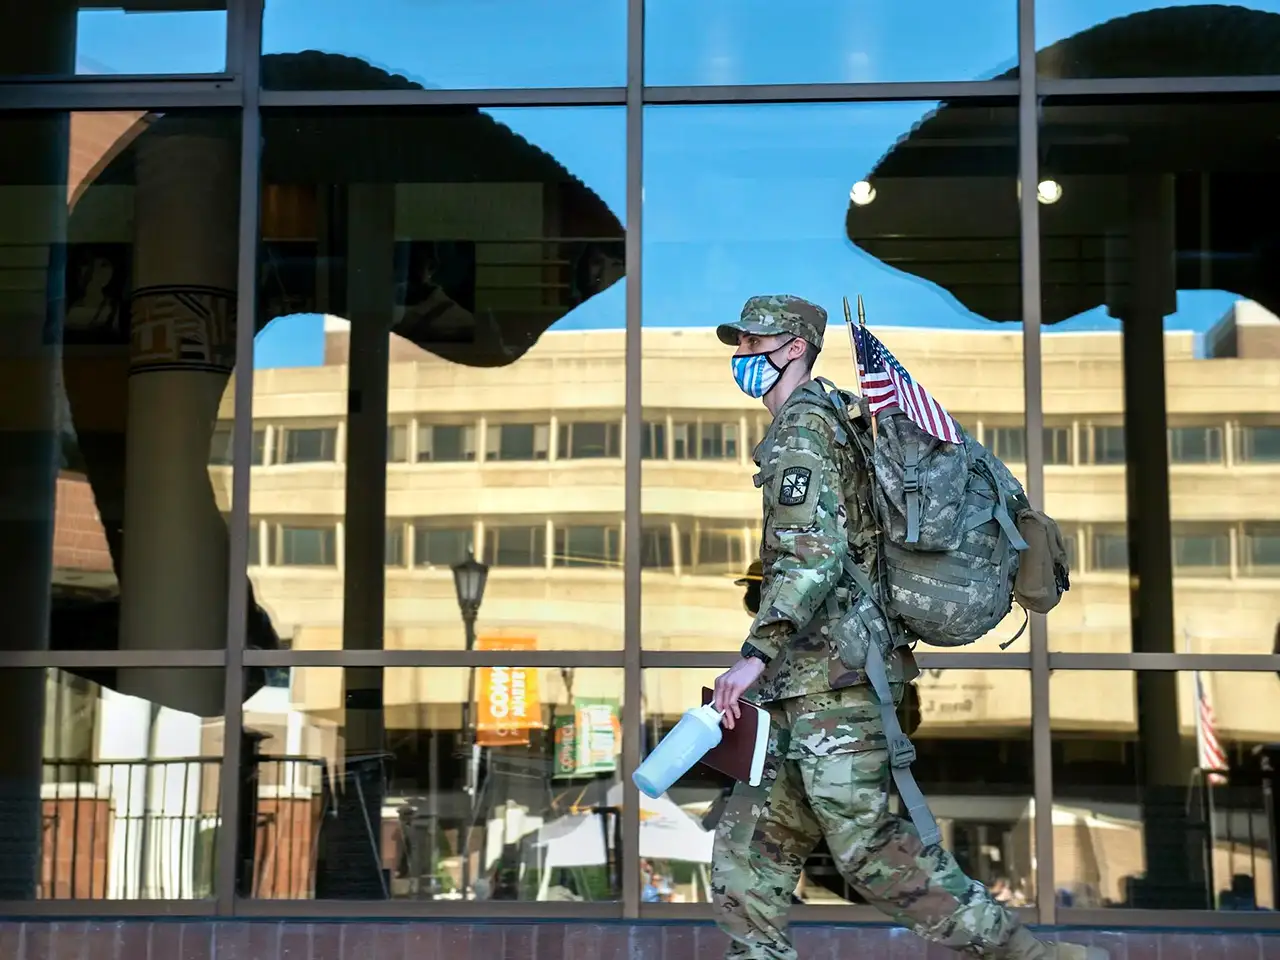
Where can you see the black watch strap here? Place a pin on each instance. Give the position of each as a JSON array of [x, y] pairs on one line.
[[749, 650]]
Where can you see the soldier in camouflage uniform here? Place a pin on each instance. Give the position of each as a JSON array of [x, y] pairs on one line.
[[827, 773]]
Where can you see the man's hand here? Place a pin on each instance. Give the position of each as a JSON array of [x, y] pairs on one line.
[[732, 684]]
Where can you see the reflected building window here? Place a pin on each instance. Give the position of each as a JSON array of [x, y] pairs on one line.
[[1110, 551], [515, 546], [1007, 443], [439, 443], [1057, 446], [1257, 444], [1106, 446], [517, 441], [298, 545], [308, 444], [395, 545], [397, 443], [653, 440], [655, 549], [1201, 550], [437, 546], [586, 441], [588, 546], [1195, 444], [1261, 550]]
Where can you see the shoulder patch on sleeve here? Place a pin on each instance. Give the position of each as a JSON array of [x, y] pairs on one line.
[[796, 489]]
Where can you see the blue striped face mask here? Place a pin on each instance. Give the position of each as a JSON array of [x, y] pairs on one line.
[[756, 373]]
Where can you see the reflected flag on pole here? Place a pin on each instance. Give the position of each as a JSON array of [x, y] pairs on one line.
[[1210, 756], [885, 383]]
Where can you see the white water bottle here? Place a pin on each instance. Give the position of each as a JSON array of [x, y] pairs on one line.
[[697, 732]]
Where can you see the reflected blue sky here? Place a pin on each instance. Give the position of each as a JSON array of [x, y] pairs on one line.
[[738, 200]]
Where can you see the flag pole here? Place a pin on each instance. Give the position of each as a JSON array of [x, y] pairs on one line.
[[1206, 777]]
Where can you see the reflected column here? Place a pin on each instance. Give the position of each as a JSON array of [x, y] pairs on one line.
[[174, 589], [1173, 849], [351, 847], [31, 310]]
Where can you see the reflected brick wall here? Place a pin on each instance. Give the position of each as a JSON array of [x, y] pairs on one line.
[[75, 847], [78, 539]]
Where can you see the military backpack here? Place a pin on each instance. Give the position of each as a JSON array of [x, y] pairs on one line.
[[956, 543]]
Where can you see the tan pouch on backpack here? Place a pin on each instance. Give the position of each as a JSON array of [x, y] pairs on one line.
[[1043, 571]]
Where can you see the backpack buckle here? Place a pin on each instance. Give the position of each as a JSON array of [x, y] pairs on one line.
[[910, 478], [902, 752]]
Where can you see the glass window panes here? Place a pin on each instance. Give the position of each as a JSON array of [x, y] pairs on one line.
[[826, 41], [1257, 444], [1107, 445], [1057, 446], [1261, 553], [517, 441], [397, 443], [653, 440], [1007, 443], [586, 440], [516, 546], [159, 37], [441, 443], [1195, 444], [309, 444], [1110, 551], [587, 546], [395, 545], [1201, 549], [449, 44], [549, 745], [440, 546], [1158, 803], [297, 545]]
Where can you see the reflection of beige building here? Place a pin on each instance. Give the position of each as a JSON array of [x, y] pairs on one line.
[[524, 463]]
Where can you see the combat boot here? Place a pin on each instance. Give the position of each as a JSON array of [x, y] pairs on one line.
[[1023, 946]]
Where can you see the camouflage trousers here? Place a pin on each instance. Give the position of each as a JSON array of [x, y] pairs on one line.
[[827, 775]]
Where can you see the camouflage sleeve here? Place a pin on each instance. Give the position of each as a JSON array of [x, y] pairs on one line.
[[805, 531]]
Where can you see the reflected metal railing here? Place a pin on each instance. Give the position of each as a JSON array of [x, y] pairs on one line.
[[129, 829]]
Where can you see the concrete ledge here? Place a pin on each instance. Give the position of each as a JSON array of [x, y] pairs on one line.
[[551, 940]]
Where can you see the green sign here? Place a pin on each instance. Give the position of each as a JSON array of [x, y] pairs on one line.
[[587, 742]]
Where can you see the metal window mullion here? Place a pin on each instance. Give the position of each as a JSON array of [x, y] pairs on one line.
[[830, 92], [933, 659], [458, 657], [1029, 240], [144, 94], [1168, 662], [1158, 86], [633, 680], [532, 97], [241, 471]]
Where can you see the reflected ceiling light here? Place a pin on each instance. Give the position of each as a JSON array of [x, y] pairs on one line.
[[862, 193], [1048, 191]]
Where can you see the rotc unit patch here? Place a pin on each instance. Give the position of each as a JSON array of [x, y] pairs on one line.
[[794, 489]]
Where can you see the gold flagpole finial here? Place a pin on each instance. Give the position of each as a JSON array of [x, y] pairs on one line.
[[848, 318], [862, 313]]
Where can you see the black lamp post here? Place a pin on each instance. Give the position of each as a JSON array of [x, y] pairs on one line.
[[469, 578]]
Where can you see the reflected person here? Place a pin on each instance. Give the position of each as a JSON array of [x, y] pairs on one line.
[[827, 772]]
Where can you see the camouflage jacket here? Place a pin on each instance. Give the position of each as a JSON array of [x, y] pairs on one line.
[[813, 521]]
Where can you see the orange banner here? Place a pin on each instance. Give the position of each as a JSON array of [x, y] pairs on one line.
[[507, 703]]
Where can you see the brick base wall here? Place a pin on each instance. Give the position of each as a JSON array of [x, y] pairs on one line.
[[425, 940]]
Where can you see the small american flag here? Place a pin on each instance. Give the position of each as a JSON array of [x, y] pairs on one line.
[[886, 383], [1210, 756]]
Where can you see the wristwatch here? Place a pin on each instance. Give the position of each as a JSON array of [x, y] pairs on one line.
[[750, 650]]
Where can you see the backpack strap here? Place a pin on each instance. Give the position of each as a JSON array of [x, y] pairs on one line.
[[1001, 509], [902, 752], [911, 487]]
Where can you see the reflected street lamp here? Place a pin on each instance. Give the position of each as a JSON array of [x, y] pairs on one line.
[[469, 578]]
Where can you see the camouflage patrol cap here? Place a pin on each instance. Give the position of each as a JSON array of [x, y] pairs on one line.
[[773, 315], [754, 574]]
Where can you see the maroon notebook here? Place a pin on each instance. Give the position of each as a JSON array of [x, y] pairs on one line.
[[741, 751]]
